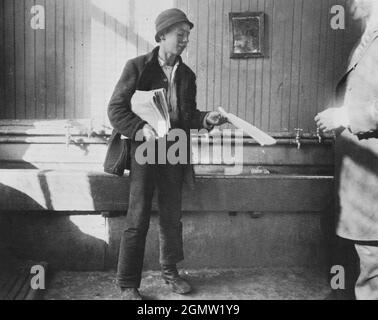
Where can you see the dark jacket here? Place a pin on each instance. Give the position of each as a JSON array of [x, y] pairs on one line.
[[144, 73]]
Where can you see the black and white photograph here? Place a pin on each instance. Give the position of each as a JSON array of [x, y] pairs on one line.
[[190, 155]]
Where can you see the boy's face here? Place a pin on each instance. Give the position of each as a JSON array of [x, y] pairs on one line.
[[177, 39]]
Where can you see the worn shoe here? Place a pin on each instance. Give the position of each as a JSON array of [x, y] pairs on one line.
[[131, 294], [172, 278]]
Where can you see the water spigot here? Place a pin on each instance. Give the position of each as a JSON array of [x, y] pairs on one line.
[[319, 135], [68, 135], [298, 137]]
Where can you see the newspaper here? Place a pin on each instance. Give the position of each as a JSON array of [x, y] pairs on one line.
[[152, 107]]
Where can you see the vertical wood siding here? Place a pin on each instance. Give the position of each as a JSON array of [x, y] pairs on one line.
[[304, 59], [44, 71], [69, 69]]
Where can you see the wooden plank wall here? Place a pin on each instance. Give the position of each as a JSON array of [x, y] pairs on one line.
[[45, 71], [70, 69], [283, 91], [121, 30]]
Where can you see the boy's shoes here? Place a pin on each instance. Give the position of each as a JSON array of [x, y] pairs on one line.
[[131, 294], [173, 279]]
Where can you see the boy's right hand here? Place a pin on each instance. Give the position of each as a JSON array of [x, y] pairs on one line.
[[149, 133]]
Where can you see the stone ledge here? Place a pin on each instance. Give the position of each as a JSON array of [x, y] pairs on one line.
[[69, 190]]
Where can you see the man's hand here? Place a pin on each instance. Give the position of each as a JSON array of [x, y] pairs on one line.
[[214, 118], [149, 133], [332, 119]]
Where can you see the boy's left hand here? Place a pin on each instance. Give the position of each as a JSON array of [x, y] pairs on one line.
[[214, 118]]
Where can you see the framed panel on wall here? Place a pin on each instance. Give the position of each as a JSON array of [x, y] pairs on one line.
[[246, 35]]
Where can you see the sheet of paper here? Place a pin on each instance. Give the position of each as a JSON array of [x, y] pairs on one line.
[[260, 136]]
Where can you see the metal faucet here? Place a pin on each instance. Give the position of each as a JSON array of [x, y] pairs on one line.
[[298, 137], [68, 135], [318, 134], [91, 131]]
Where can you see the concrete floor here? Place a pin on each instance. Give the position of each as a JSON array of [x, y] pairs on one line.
[[249, 284]]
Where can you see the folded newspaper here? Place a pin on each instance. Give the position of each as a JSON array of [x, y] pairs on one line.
[[152, 106]]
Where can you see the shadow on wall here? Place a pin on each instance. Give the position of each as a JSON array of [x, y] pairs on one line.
[[64, 241], [30, 229], [125, 32]]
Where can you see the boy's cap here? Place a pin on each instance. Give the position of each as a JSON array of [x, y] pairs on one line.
[[168, 18]]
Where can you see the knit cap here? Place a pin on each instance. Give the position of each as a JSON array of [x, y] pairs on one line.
[[168, 18]]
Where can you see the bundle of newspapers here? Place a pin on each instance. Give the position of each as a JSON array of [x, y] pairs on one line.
[[152, 106]]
